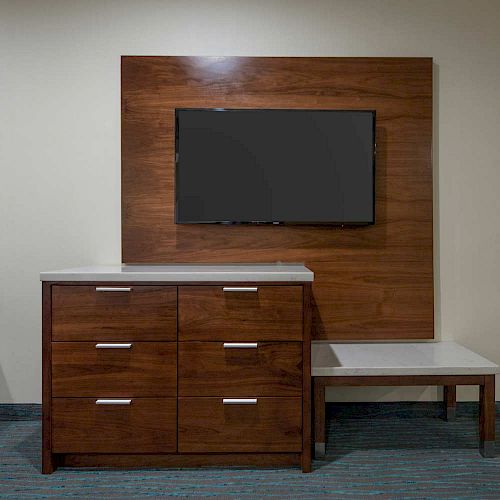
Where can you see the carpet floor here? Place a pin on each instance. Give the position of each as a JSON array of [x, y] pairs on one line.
[[374, 450]]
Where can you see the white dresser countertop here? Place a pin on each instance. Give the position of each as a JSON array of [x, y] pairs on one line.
[[184, 272], [421, 358]]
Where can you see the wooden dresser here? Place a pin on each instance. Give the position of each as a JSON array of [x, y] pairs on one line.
[[177, 365]]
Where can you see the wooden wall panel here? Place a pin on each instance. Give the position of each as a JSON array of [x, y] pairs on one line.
[[372, 282]]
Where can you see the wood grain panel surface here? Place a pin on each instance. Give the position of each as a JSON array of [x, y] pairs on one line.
[[386, 268], [209, 313], [209, 369], [147, 425], [147, 369], [145, 313], [272, 425], [255, 460]]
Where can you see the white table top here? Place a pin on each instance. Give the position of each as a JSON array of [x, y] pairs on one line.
[[184, 272], [422, 358]]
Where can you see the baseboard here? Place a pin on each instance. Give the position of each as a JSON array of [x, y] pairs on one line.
[[20, 411], [406, 409]]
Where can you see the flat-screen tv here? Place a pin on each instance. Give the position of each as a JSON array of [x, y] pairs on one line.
[[275, 166]]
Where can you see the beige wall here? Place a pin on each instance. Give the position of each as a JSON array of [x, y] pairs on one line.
[[60, 143]]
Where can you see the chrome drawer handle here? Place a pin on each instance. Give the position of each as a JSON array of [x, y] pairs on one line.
[[239, 401], [113, 346], [240, 345], [113, 401], [240, 289], [113, 289]]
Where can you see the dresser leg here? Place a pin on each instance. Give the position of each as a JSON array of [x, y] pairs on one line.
[[487, 417], [48, 462], [319, 419], [450, 402], [306, 433], [306, 461]]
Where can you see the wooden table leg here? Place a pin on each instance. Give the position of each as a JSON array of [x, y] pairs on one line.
[[487, 417], [450, 402], [319, 419], [48, 459]]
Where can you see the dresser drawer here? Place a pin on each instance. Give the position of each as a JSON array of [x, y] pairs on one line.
[[253, 313], [119, 313], [79, 425], [271, 425], [134, 369], [229, 369]]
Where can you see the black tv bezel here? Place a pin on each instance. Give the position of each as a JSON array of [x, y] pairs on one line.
[[279, 223]]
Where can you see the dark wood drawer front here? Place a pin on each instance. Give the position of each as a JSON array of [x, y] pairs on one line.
[[207, 425], [90, 369], [231, 369], [144, 313], [209, 313], [148, 425]]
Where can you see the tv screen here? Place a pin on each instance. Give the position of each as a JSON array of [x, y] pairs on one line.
[[275, 166]]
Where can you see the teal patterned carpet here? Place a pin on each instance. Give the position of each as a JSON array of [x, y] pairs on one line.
[[385, 450]]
